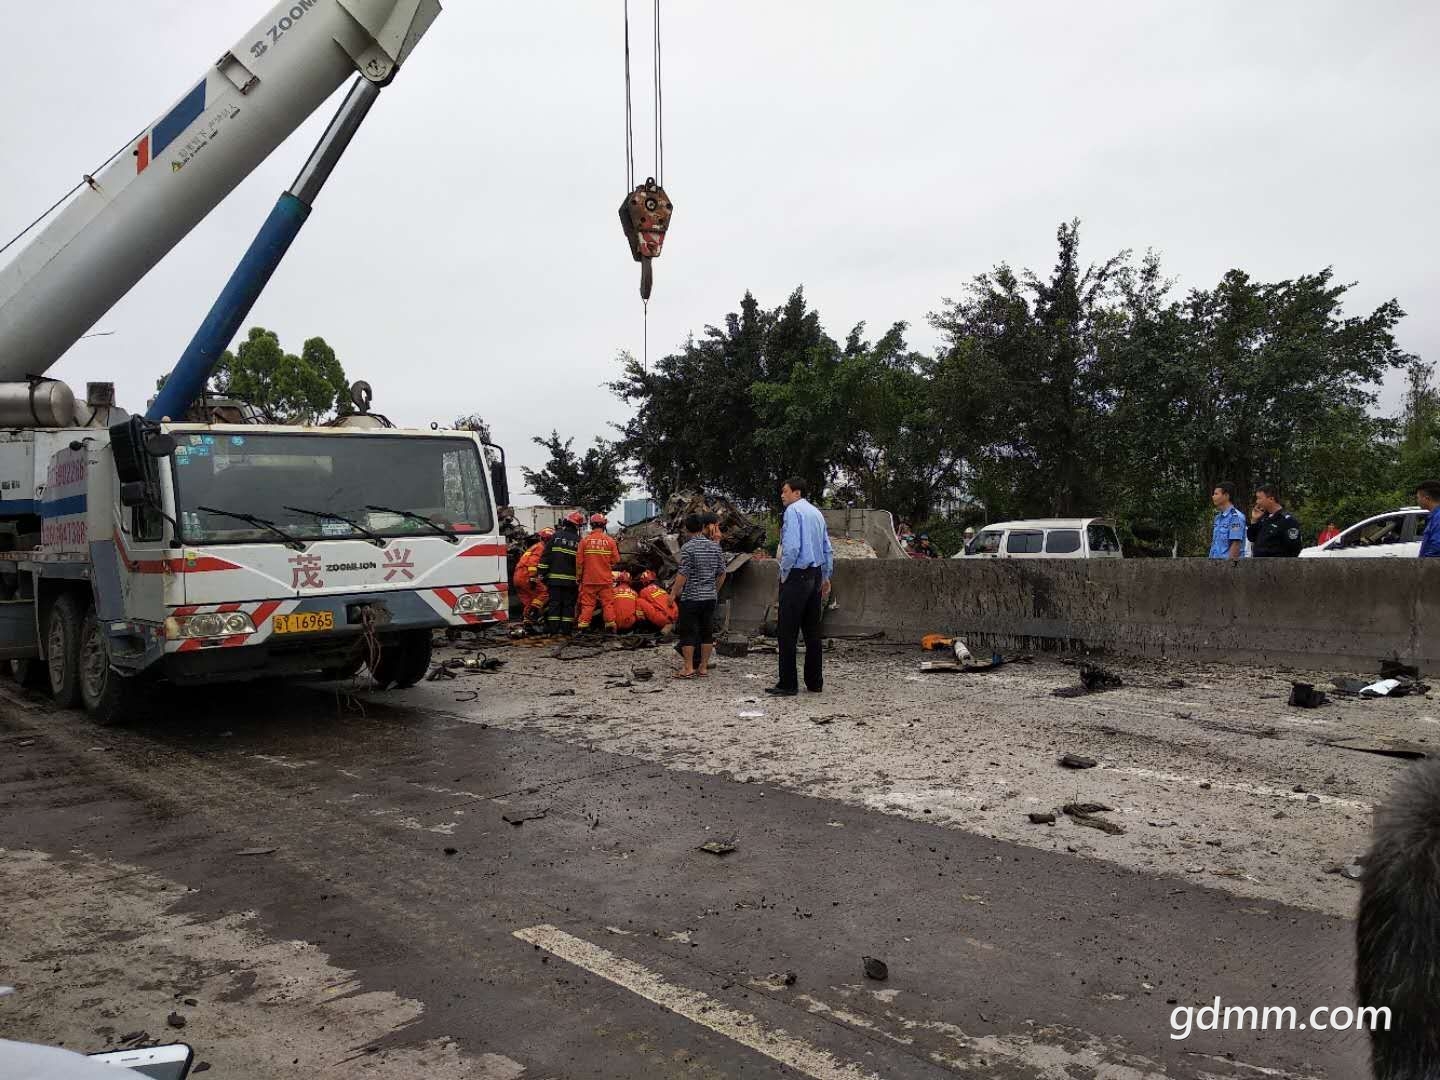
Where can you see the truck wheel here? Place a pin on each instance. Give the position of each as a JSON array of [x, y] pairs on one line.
[[404, 660], [348, 670], [108, 696], [62, 650]]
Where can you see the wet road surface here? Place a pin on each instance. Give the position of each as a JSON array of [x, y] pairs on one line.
[[594, 939]]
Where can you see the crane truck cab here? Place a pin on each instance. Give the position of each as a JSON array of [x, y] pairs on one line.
[[200, 553]]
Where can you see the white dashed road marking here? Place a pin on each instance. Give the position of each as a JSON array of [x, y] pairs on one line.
[[697, 1007]]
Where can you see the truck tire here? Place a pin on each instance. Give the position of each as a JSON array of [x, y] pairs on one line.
[[62, 650], [108, 696], [348, 670], [404, 660]]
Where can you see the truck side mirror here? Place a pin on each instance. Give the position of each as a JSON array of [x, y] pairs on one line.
[[499, 479], [159, 444], [501, 483], [133, 493]]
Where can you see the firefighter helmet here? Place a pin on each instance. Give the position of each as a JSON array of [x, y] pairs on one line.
[[575, 517], [546, 533], [598, 520]]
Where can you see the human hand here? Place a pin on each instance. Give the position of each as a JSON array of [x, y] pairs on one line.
[[824, 590]]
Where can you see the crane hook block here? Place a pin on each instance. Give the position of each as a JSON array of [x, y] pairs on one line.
[[645, 217]]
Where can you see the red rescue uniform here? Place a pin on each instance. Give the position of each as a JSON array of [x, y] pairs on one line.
[[657, 607], [598, 557], [627, 607], [528, 585]]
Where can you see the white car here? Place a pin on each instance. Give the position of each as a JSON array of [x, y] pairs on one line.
[[1392, 535], [1045, 538]]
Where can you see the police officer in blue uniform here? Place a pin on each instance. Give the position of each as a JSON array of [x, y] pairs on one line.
[[1274, 532]]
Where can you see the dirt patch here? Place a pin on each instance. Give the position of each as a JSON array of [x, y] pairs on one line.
[[82, 983]]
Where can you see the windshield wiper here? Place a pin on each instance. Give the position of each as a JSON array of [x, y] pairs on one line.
[[449, 534], [325, 515], [258, 522]]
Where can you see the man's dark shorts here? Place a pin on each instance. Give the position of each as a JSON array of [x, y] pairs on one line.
[[696, 625]]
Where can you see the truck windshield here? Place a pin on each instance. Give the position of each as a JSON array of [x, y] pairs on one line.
[[416, 480]]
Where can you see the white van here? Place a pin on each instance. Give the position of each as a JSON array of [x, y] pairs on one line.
[[1045, 538]]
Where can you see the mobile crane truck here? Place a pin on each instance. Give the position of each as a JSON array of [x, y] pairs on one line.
[[137, 548]]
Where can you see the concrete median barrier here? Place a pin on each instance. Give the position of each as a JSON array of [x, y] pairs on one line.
[[1304, 613]]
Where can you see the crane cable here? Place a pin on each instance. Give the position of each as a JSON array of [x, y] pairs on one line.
[[88, 178], [659, 139]]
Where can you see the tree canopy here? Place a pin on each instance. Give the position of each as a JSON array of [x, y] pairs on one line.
[[1093, 388], [594, 480], [286, 388]]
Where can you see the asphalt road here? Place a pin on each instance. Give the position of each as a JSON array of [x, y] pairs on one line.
[[393, 915]]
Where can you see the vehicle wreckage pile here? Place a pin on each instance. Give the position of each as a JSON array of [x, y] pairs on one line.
[[655, 544]]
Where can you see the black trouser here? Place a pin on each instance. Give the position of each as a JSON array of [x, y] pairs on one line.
[[800, 611], [696, 626], [560, 607]]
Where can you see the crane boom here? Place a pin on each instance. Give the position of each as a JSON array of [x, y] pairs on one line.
[[125, 220]]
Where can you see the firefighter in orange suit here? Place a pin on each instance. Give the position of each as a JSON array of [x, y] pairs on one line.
[[627, 603], [655, 602], [528, 586], [598, 557]]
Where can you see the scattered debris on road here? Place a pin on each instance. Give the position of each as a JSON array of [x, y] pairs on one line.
[[256, 851], [719, 847], [1394, 669], [1078, 761], [876, 969], [1084, 814], [175, 1020], [519, 817], [778, 980], [1047, 818], [1095, 678], [1399, 748], [1303, 695]]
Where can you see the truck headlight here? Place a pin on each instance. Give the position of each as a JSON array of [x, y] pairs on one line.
[[479, 603], [213, 624]]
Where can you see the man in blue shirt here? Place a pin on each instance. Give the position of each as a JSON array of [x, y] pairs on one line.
[[1428, 496], [806, 562], [1227, 538]]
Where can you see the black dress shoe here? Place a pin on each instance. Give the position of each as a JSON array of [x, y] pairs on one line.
[[781, 691], [815, 689]]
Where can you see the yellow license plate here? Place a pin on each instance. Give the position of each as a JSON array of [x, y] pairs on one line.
[[305, 622]]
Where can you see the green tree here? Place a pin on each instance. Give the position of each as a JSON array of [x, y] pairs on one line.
[[287, 389], [1418, 455], [595, 480], [1019, 366], [697, 422], [865, 419]]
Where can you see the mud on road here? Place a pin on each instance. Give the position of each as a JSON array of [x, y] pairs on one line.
[[392, 920]]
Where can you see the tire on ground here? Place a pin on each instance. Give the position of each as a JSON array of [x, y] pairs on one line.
[[108, 696], [62, 649], [404, 660]]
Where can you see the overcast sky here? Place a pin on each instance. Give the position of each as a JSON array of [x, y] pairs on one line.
[[467, 256]]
